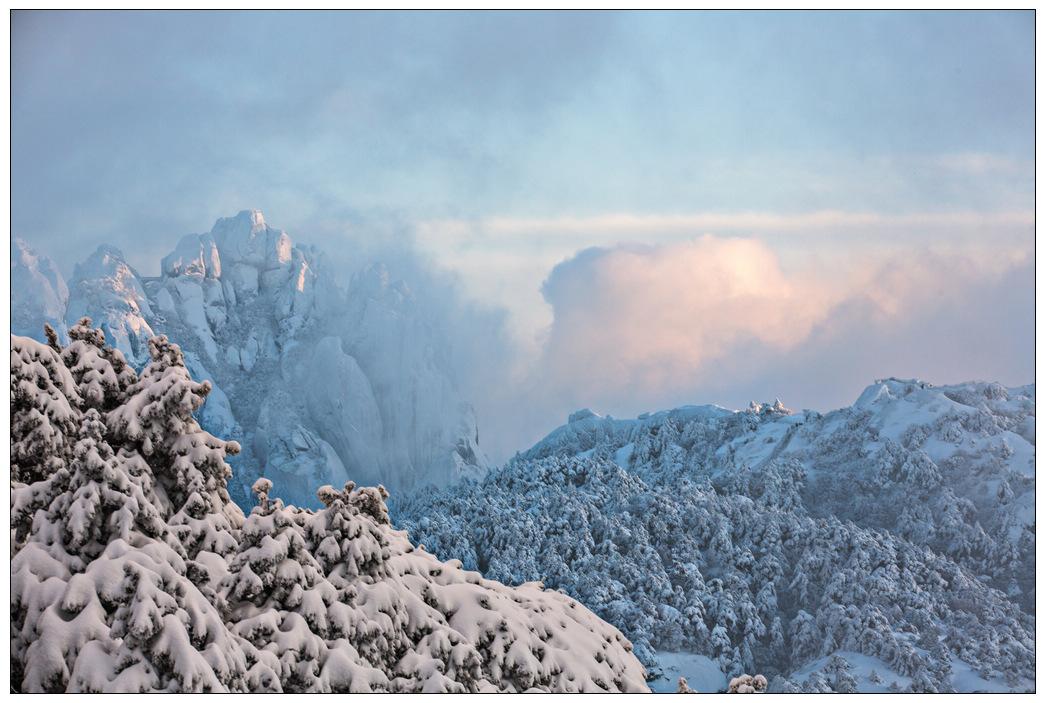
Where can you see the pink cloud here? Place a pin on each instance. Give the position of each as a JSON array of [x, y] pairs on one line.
[[643, 320]]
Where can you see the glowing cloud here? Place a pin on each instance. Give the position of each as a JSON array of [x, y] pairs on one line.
[[649, 318]]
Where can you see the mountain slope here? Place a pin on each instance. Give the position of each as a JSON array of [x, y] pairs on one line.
[[899, 529]]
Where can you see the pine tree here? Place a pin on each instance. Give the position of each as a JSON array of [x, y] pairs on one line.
[[282, 603], [840, 673], [131, 571], [189, 463], [45, 411], [100, 595], [102, 375]]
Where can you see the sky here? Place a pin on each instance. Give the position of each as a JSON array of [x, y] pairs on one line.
[[657, 208]]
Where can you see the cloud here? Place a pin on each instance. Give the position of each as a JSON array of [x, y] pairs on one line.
[[517, 140], [960, 325], [641, 327], [502, 260], [645, 317], [124, 119]]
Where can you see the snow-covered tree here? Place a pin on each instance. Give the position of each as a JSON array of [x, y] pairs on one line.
[[45, 413], [101, 597], [132, 571], [102, 375], [189, 463], [840, 673], [282, 603], [604, 509]]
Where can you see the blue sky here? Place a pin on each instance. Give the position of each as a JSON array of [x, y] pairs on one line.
[[499, 145]]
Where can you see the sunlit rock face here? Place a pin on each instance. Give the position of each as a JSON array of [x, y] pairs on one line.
[[106, 288]]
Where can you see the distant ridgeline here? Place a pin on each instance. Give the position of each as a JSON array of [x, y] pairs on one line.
[[318, 383], [888, 545], [133, 571]]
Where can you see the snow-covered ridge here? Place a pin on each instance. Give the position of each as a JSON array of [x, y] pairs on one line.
[[321, 380], [900, 529], [132, 571]]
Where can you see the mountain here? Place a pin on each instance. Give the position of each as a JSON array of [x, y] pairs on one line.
[[39, 294], [321, 377], [132, 571], [105, 288], [897, 533]]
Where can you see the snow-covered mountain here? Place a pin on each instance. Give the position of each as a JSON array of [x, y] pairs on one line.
[[38, 292], [105, 288], [321, 376], [897, 533], [132, 571]]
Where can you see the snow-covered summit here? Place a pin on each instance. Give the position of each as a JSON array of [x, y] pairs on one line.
[[107, 289], [585, 429], [246, 238], [321, 376]]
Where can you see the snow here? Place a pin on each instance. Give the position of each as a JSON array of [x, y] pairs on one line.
[[132, 571], [624, 454], [580, 415], [863, 666], [963, 679], [217, 414], [765, 539], [193, 256], [105, 288]]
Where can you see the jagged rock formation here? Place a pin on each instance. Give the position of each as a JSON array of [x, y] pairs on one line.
[[106, 288], [320, 380]]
